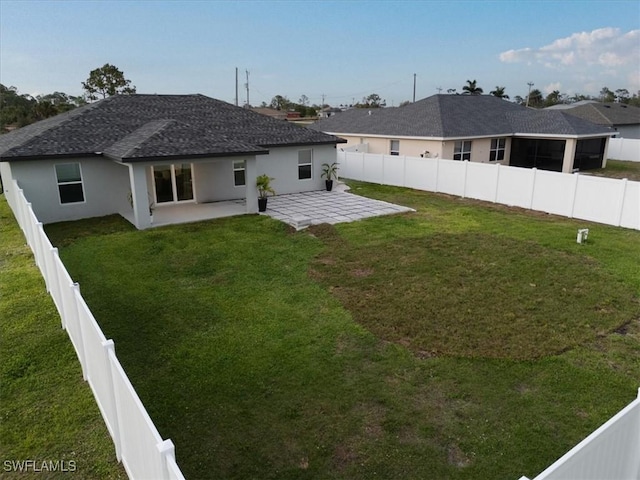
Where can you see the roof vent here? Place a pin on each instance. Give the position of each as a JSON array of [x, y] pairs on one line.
[[369, 112]]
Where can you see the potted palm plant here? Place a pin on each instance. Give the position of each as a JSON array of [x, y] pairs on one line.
[[329, 172], [263, 183]]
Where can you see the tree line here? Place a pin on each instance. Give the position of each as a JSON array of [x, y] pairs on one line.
[[18, 110]]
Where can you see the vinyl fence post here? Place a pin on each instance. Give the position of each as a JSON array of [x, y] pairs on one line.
[[166, 449], [495, 194], [404, 171], [534, 172], [574, 194], [623, 193], [81, 349], [437, 173], [45, 265], [362, 169], [109, 350], [59, 287], [464, 184]]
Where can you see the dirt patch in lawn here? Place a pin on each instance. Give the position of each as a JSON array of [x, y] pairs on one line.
[[474, 295]]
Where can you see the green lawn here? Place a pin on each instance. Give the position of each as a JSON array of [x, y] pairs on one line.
[[47, 412], [462, 341], [618, 169]]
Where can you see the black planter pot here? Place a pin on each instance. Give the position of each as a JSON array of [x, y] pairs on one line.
[[329, 185], [262, 204]]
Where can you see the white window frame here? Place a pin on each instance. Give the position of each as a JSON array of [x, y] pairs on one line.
[[497, 150], [462, 148], [242, 169], [174, 186], [394, 151], [74, 182], [306, 164]]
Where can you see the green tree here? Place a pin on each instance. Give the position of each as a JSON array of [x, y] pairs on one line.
[[15, 110], [535, 98], [372, 101], [499, 92], [107, 81], [471, 88], [607, 96], [622, 95], [280, 103], [554, 98], [304, 100]]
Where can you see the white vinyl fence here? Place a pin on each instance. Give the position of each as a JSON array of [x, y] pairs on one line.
[[624, 149], [597, 199], [611, 452], [138, 444]]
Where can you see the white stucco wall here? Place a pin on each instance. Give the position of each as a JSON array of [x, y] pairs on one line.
[[105, 185], [282, 165]]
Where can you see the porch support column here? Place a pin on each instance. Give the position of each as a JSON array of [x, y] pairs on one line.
[[139, 195], [569, 155], [605, 155], [251, 192]]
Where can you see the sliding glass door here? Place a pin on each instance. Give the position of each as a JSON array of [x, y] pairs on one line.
[[173, 183]]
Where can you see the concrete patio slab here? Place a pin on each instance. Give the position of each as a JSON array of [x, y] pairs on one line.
[[327, 207]]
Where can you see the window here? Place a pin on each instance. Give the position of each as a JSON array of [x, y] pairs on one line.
[[497, 149], [238, 173], [462, 150], [173, 183], [394, 148], [69, 180], [304, 164]]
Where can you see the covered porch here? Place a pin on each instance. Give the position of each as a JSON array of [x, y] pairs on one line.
[[193, 212]]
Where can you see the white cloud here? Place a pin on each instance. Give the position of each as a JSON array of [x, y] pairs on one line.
[[552, 87], [604, 47]]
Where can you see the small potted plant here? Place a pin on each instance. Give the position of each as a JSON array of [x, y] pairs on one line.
[[329, 172], [263, 183]]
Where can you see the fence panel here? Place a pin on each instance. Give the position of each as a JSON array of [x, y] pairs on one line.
[[137, 442], [598, 199], [630, 215], [451, 177], [627, 149], [553, 193], [609, 452], [373, 169], [421, 173], [393, 169], [482, 182], [140, 455]]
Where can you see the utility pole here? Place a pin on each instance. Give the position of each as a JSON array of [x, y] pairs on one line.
[[236, 86], [414, 88], [322, 105], [439, 89], [247, 86], [529, 94]]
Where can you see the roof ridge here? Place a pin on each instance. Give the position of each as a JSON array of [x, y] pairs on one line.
[[138, 137], [593, 107]]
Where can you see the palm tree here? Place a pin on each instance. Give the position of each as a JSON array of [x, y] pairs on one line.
[[499, 92], [471, 88]]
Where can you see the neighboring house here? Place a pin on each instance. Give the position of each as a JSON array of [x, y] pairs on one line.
[[327, 112], [624, 119], [478, 128], [271, 112], [128, 152]]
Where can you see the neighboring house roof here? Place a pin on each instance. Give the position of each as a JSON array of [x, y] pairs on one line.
[[457, 116], [271, 112], [148, 127], [602, 113]]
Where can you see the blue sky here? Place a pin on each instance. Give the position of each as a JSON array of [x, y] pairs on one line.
[[344, 50]]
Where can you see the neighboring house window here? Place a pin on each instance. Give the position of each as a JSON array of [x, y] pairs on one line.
[[69, 180], [394, 149], [462, 150], [497, 149], [238, 173], [304, 164]]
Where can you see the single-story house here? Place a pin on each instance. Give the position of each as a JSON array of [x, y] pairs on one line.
[[477, 128], [624, 119], [130, 154]]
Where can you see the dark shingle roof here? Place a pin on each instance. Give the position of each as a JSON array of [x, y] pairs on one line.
[[456, 116], [604, 113], [144, 127]]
